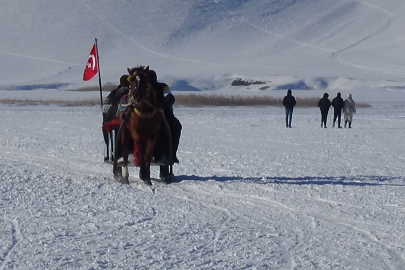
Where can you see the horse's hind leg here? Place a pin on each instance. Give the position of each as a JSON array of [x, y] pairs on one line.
[[125, 174], [121, 148], [125, 153], [117, 171]]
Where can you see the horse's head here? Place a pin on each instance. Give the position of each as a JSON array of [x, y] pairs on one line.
[[139, 83], [131, 71]]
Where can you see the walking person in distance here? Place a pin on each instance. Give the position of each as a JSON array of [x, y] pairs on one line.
[[324, 104], [289, 103], [338, 105], [348, 109]]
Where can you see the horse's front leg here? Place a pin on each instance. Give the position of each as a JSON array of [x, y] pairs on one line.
[[144, 171], [150, 143], [148, 155]]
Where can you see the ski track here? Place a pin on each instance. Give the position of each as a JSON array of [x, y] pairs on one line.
[[389, 17], [146, 49], [334, 53], [388, 21]]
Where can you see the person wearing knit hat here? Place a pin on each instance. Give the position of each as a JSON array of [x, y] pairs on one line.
[[110, 106], [161, 149]]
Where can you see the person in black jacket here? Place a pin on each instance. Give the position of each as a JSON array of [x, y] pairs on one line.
[[324, 104], [110, 106], [289, 103], [338, 105], [161, 146]]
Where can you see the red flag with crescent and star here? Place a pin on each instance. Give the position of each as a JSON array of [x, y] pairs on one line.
[[91, 68]]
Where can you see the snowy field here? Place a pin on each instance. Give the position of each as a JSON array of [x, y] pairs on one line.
[[248, 193]]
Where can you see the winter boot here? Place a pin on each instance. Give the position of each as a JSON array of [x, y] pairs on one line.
[[350, 124]]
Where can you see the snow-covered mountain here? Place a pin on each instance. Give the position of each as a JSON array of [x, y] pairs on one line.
[[205, 44]]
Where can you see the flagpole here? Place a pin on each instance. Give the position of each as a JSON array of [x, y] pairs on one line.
[[99, 76]]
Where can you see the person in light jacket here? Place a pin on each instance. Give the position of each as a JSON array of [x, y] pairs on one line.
[[348, 110]]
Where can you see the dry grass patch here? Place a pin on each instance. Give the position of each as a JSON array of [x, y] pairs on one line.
[[193, 100], [228, 100], [68, 103], [190, 100], [106, 87]]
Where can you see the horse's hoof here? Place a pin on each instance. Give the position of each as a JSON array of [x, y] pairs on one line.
[[122, 180], [125, 180], [167, 179], [117, 172], [147, 181]]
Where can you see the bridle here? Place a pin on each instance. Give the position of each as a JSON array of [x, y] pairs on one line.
[[140, 99]]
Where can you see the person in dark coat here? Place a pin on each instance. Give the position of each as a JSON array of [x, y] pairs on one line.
[[289, 103], [110, 103], [338, 105], [110, 106], [161, 146], [324, 104]]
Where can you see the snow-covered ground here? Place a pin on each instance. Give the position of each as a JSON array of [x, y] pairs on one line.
[[248, 193]]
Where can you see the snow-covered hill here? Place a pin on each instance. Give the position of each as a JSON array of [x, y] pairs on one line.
[[204, 44]]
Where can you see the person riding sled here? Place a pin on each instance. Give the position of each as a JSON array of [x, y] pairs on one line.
[[165, 102], [109, 109], [161, 150]]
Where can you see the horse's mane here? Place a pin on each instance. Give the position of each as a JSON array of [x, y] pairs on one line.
[[131, 71]]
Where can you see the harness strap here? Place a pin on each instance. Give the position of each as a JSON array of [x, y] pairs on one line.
[[145, 115]]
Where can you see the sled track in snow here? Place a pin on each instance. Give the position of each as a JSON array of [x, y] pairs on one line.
[[15, 236], [266, 203]]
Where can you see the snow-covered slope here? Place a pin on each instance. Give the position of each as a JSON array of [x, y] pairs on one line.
[[309, 44]]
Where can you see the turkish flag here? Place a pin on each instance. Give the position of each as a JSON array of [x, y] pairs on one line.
[[91, 68]]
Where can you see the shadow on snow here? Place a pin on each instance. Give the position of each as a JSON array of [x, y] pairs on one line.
[[306, 180]]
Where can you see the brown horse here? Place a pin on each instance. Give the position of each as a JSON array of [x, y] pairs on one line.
[[140, 122]]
